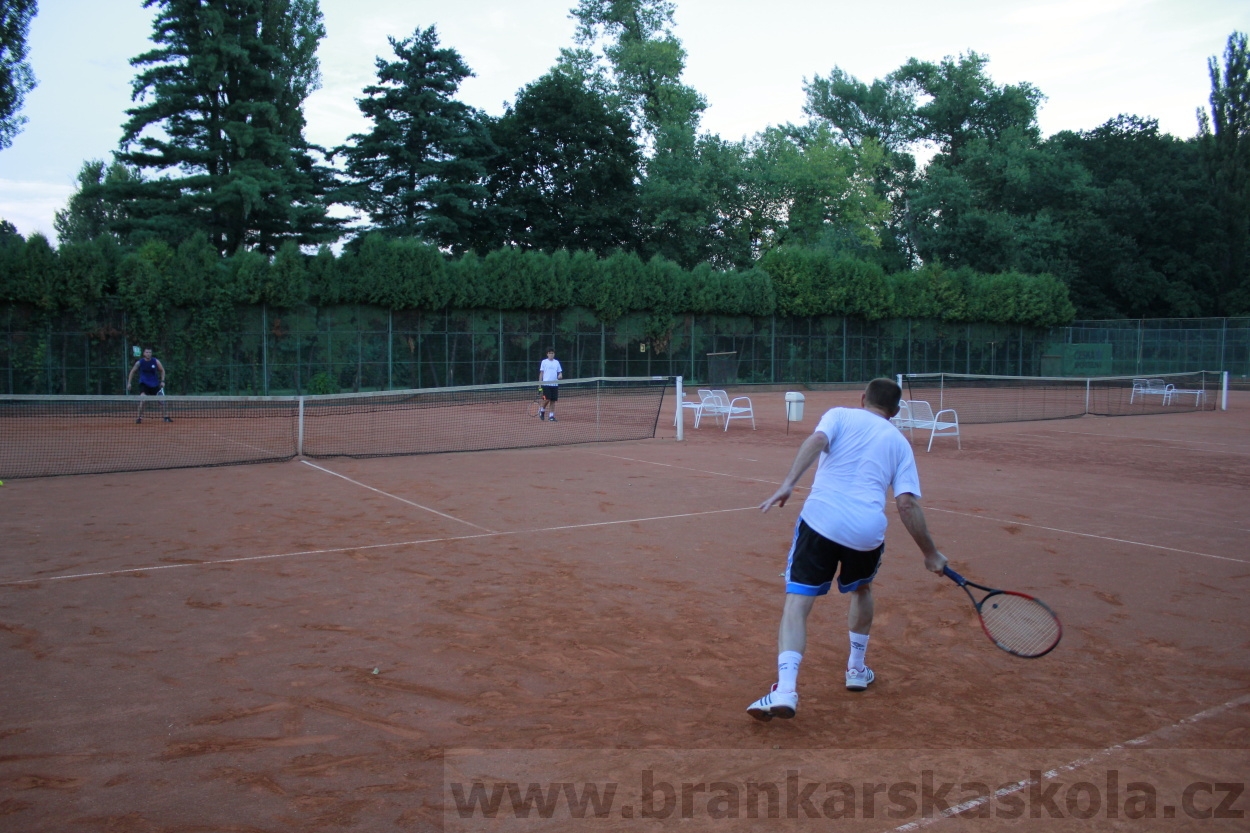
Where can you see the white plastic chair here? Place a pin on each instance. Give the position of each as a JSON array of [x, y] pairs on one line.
[[922, 417], [709, 405], [734, 408], [689, 405], [902, 420]]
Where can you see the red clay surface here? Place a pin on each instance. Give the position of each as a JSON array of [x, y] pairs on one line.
[[276, 648]]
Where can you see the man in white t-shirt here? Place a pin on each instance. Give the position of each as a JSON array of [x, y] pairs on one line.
[[841, 529], [549, 375]]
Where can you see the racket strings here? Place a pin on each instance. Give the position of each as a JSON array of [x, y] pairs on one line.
[[1020, 625]]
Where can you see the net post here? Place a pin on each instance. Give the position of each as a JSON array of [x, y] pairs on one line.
[[1087, 384], [1224, 391], [681, 412], [299, 435]]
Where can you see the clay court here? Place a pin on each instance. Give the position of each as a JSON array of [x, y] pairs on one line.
[[330, 645]]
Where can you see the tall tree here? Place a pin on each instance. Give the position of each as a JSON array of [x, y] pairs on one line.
[[1142, 240], [882, 114], [419, 171], [695, 204], [565, 175], [964, 104], [89, 213], [806, 188], [1225, 137], [16, 76], [629, 48], [219, 115]]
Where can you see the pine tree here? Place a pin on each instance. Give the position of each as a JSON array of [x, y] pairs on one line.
[[219, 117], [418, 172], [16, 77]]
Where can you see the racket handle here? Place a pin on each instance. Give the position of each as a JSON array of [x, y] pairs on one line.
[[954, 576]]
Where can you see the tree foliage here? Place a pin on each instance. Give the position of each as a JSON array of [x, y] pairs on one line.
[[153, 280], [419, 171], [629, 49], [16, 76], [90, 213], [596, 188], [565, 176], [1225, 138], [219, 121]]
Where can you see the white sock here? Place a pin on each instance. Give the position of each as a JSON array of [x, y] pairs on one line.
[[859, 646], [788, 670]]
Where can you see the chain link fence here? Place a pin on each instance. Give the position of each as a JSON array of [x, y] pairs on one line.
[[338, 349]]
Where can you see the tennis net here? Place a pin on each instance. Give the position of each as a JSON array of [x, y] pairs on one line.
[[982, 399], [42, 436]]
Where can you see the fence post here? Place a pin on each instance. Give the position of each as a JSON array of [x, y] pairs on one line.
[[681, 419], [845, 345], [908, 346], [1223, 340], [264, 347], [772, 349], [1141, 323]]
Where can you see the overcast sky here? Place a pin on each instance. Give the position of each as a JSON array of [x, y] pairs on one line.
[[1093, 59]]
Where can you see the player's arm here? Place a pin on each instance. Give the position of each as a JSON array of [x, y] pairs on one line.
[[130, 379], [912, 516], [808, 453], [161, 368]]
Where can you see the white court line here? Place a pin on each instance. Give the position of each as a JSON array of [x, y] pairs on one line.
[[1068, 767], [1087, 535], [333, 550], [952, 512], [688, 468], [396, 497], [1176, 440]]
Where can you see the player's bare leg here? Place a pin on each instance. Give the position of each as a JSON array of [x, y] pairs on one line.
[[792, 634], [859, 614], [859, 619]]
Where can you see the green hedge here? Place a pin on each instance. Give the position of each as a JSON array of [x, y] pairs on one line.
[[149, 282]]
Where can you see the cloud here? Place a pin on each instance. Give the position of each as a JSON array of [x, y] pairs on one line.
[[32, 206]]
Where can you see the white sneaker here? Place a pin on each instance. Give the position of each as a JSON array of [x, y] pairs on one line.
[[775, 704], [859, 680]]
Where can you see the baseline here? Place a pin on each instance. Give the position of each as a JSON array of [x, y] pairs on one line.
[[358, 547], [1087, 535], [930, 508], [972, 804]]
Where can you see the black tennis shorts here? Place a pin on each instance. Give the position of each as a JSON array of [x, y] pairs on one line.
[[552, 392], [149, 389], [814, 560]]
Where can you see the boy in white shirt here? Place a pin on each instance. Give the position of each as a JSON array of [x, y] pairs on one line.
[[549, 375]]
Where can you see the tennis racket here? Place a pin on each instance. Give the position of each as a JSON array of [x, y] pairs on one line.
[[1019, 624], [536, 403]]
